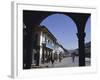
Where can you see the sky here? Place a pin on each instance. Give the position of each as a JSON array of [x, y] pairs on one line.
[[64, 29]]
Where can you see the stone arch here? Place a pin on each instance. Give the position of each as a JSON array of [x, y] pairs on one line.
[[53, 13], [66, 20]]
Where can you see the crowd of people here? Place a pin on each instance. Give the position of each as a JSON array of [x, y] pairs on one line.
[[53, 58]]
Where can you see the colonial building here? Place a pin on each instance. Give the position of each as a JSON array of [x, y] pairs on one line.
[[45, 46]]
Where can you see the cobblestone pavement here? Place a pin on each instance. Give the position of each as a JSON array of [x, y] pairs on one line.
[[66, 62]]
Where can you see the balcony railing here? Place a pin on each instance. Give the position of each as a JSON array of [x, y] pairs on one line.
[[50, 46]]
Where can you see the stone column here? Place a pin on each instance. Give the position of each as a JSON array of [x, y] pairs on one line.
[[81, 44], [28, 46]]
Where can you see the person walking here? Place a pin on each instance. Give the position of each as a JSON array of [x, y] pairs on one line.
[[52, 60], [73, 57], [60, 57]]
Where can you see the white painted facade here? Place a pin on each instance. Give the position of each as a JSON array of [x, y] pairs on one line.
[[44, 38], [50, 43], [47, 38]]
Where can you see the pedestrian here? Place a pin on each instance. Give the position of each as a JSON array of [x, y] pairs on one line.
[[73, 56], [52, 60], [60, 57]]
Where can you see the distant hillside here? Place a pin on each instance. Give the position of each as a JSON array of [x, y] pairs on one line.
[[87, 50]]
